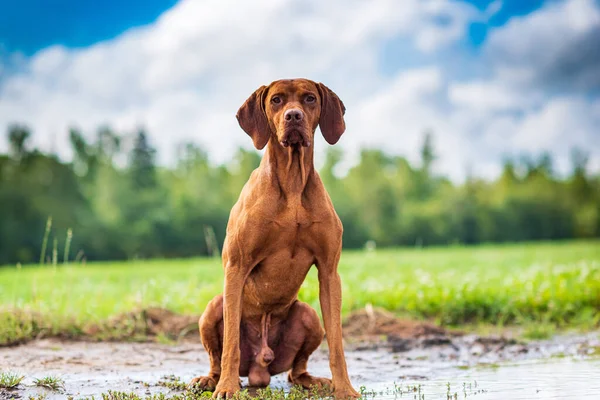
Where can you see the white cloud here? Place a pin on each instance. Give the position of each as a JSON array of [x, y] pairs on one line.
[[541, 35], [561, 124], [447, 23], [396, 118], [489, 96], [184, 77], [475, 124], [556, 46], [492, 9]]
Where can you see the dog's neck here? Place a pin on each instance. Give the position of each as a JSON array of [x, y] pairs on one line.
[[291, 166]]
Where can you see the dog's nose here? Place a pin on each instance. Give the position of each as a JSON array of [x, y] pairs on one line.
[[293, 114]]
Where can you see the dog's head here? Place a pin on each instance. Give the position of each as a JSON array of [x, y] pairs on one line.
[[289, 111]]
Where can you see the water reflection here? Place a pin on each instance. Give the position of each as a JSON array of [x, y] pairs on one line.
[[549, 379]]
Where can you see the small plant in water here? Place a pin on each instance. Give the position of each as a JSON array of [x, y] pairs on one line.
[[50, 382], [172, 382], [10, 380]]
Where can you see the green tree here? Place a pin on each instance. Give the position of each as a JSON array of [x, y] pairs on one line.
[[120, 204], [17, 137], [141, 162]]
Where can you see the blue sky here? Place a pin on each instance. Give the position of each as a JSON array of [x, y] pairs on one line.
[[508, 10], [492, 78], [27, 26]]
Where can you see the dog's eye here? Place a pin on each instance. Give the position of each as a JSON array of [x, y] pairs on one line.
[[310, 98], [275, 99]]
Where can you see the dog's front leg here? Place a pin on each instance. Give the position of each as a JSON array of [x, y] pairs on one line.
[[330, 296], [229, 383]]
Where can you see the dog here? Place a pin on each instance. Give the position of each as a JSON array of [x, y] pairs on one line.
[[282, 224]]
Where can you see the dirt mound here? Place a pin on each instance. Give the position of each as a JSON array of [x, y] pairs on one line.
[[377, 322], [20, 326], [160, 320], [145, 323], [363, 324]]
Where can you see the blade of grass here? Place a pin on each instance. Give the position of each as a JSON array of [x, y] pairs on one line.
[[68, 246], [54, 252], [10, 380], [45, 240]]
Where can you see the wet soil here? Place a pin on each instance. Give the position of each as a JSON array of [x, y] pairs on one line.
[[381, 350]]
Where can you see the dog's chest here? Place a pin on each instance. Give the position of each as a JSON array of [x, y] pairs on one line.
[[294, 214], [290, 229]]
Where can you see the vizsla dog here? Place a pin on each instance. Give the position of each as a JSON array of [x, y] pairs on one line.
[[282, 225]]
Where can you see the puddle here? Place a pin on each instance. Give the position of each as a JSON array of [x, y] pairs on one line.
[[563, 378], [564, 367]]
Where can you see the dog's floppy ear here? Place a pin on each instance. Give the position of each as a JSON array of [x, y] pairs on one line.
[[252, 118], [332, 115]]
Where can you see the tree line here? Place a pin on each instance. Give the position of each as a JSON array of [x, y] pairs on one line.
[[119, 204]]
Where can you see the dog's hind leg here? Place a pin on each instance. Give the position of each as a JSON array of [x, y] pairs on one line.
[[301, 336], [312, 340], [211, 334]]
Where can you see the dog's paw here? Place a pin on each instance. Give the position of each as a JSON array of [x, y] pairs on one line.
[[226, 390], [308, 381], [207, 383], [345, 393]]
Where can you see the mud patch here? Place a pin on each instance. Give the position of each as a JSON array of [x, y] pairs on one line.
[[365, 330], [146, 324], [372, 322], [371, 329], [368, 325], [93, 368]]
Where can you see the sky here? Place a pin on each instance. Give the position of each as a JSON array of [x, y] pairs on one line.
[[492, 79]]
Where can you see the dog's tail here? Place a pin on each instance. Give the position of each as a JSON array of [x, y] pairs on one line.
[[266, 355]]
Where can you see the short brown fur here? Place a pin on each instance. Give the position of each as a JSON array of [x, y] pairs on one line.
[[282, 225]]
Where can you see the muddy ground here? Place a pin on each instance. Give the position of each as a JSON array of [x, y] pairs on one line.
[[380, 350]]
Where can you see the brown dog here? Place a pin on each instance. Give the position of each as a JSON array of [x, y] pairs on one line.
[[282, 225]]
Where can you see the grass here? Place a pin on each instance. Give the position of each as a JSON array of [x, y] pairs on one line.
[[173, 382], [178, 390], [295, 393], [555, 284], [49, 382], [538, 331], [10, 380]]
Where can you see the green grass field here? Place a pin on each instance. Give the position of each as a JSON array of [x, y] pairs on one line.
[[548, 283]]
